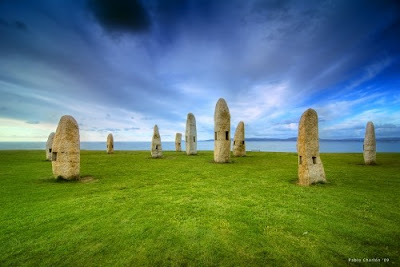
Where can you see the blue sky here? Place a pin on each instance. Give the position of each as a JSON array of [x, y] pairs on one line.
[[125, 66]]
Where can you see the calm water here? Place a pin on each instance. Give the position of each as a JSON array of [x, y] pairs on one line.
[[272, 146]]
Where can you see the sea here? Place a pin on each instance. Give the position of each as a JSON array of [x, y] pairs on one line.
[[256, 146]]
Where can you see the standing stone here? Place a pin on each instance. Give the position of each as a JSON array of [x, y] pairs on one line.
[[178, 142], [110, 144], [191, 135], [310, 168], [222, 132], [65, 155], [156, 150], [369, 145], [239, 146], [49, 146]]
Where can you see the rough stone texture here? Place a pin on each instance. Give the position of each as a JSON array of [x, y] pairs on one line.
[[66, 149], [191, 135], [110, 144], [49, 146], [310, 168], [239, 145], [222, 132], [369, 145], [178, 142], [156, 149]]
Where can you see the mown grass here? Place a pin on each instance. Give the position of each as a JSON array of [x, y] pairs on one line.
[[186, 210]]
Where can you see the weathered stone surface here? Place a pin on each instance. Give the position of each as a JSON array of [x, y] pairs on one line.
[[310, 168], [222, 132], [178, 142], [369, 145], [65, 155], [110, 144], [239, 145], [49, 146], [191, 135], [156, 149]]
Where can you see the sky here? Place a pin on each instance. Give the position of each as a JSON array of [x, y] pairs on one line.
[[123, 66]]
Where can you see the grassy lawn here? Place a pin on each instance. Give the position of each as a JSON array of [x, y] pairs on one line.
[[132, 210]]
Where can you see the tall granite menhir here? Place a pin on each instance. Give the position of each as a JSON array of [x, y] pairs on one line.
[[178, 142], [222, 132], [49, 146], [369, 148], [310, 168], [110, 144], [239, 146], [156, 149], [65, 153], [191, 135]]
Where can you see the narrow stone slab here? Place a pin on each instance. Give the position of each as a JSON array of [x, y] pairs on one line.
[[222, 132], [110, 144], [49, 146], [310, 168], [66, 149], [239, 145], [178, 142], [156, 149], [369, 147], [191, 135]]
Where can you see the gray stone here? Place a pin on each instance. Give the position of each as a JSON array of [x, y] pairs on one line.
[[222, 132], [310, 168], [65, 154], [369, 147], [49, 146], [178, 142], [110, 144], [156, 149], [191, 135], [239, 145]]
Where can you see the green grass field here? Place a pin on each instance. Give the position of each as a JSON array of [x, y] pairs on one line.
[[183, 210]]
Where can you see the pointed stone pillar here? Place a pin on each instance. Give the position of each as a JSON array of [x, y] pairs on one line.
[[239, 146], [156, 149], [222, 132], [191, 135], [178, 142], [65, 153], [369, 148], [310, 168], [110, 144], [49, 146]]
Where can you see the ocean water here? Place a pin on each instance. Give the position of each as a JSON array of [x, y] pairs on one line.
[[270, 146]]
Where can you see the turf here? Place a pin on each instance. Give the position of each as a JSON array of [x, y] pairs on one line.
[[183, 210]]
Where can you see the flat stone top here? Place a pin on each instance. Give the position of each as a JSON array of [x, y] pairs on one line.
[[222, 116]]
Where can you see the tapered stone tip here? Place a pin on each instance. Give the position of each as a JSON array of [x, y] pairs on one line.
[[67, 134], [155, 129], [310, 167], [369, 151], [222, 116], [311, 114], [110, 143], [66, 149], [49, 145], [190, 116]]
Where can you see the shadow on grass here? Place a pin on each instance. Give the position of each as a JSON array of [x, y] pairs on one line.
[[86, 179], [294, 181]]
